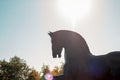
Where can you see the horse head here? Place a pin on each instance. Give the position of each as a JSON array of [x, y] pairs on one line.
[[56, 45]]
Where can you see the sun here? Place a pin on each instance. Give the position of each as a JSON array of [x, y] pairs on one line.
[[74, 9]]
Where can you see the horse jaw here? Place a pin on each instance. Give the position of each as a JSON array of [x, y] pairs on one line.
[[54, 56]]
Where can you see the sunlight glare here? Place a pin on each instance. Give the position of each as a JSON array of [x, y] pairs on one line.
[[74, 9]]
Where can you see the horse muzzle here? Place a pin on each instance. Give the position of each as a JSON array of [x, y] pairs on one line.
[[59, 56]]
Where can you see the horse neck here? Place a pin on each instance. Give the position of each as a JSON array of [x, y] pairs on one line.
[[78, 48], [75, 48], [73, 53]]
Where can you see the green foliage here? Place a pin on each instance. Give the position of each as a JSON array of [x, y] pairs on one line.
[[15, 69]]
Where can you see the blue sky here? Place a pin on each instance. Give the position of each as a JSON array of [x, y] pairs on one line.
[[21, 30], [24, 25]]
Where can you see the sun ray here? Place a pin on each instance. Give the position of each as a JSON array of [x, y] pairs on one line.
[[74, 9]]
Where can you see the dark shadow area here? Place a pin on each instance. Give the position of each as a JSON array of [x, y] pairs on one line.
[[80, 64]]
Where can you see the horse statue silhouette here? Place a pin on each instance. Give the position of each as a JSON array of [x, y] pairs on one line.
[[80, 64]]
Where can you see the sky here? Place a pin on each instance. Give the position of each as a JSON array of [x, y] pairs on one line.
[[24, 25]]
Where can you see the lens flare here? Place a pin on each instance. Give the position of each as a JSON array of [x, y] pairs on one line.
[[49, 76]]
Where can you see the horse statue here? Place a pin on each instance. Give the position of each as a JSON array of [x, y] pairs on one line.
[[80, 64]]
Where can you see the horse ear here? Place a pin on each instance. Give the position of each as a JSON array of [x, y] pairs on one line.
[[50, 33]]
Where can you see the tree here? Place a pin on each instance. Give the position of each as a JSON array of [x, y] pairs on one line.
[[57, 70], [4, 68], [15, 69], [45, 69], [34, 75], [61, 68]]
